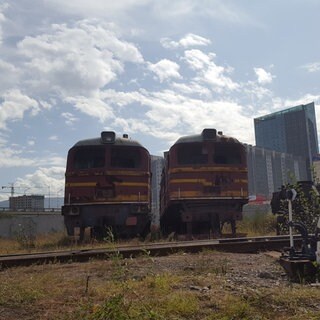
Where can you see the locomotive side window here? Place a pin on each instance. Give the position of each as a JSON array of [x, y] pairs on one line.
[[125, 158], [191, 154], [86, 158], [227, 154]]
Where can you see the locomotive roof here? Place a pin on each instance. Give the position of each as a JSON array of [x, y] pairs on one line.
[[207, 135], [118, 142]]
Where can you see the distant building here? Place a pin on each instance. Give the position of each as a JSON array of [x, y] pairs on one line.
[[291, 131], [268, 170], [157, 164], [27, 203]]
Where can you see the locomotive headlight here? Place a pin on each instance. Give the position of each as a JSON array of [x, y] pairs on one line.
[[70, 210], [108, 137]]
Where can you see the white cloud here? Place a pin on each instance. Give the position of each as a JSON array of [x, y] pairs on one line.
[[105, 39], [256, 93], [230, 12], [184, 12], [70, 119], [3, 7], [45, 104], [93, 106], [169, 114], [96, 8], [188, 11], [192, 89], [312, 67], [11, 158], [275, 104], [43, 181], [189, 40], [15, 156], [182, 109], [305, 99], [165, 69], [78, 59], [31, 142], [209, 72], [264, 77], [11, 78], [198, 60], [15, 104], [119, 98]]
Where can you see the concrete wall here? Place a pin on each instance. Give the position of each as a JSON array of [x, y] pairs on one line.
[[15, 224]]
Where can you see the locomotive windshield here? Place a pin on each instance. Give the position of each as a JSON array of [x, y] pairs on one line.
[[218, 153], [86, 158], [125, 158], [192, 154], [227, 154]]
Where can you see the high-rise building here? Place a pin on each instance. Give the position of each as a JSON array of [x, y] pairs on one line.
[[292, 131], [268, 170]]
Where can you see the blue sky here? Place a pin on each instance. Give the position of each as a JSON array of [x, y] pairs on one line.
[[153, 69]]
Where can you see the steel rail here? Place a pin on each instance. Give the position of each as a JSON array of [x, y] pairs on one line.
[[236, 245]]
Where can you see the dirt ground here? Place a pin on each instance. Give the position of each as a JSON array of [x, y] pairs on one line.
[[210, 276], [239, 270]]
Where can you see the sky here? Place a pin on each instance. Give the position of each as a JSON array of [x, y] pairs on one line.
[[155, 70]]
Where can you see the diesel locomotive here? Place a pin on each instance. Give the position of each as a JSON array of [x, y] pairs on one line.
[[107, 187], [204, 184]]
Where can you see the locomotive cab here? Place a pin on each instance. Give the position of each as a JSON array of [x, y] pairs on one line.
[[107, 186], [204, 184]]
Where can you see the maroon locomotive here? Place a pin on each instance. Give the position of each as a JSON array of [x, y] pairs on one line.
[[204, 184], [107, 186]]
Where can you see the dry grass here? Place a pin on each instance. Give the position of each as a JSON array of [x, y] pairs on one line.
[[206, 286], [53, 242], [175, 287], [258, 225], [24, 243]]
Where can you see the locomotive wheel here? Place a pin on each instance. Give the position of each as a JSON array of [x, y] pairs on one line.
[[215, 225], [81, 234], [233, 227], [146, 230]]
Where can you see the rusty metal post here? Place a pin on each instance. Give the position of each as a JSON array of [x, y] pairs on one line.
[[290, 223]]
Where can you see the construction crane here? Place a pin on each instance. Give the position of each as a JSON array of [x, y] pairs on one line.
[[10, 186]]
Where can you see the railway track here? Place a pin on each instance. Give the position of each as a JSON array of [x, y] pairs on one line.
[[237, 245]]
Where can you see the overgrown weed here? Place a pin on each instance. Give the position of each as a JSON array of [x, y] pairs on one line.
[[26, 242], [93, 291], [259, 224]]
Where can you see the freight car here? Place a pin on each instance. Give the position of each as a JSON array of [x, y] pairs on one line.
[[107, 187], [204, 184]]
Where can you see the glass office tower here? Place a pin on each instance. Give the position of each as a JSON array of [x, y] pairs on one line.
[[292, 131]]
